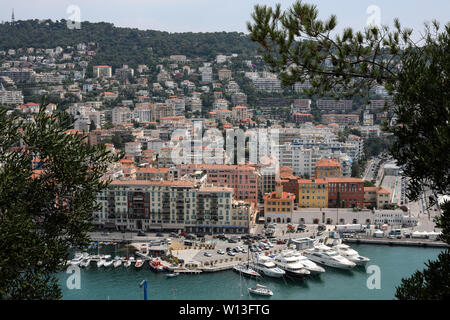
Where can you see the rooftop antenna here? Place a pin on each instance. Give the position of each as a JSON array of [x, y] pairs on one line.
[[12, 17]]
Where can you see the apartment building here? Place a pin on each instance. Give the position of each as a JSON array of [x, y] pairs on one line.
[[172, 205], [334, 105], [312, 193], [239, 113], [243, 179], [102, 71], [301, 106], [121, 115], [328, 168], [341, 119], [376, 197], [224, 74], [239, 99], [278, 202], [153, 174], [345, 192]]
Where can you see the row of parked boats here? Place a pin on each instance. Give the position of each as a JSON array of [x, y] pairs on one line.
[[84, 260], [301, 263]]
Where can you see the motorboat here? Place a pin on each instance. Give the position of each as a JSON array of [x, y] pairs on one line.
[[291, 264], [245, 270], [79, 257], [100, 262], [325, 255], [267, 267], [86, 262], [126, 262], [155, 265], [309, 265], [139, 263], [172, 275], [117, 262], [260, 290], [108, 262], [351, 254]]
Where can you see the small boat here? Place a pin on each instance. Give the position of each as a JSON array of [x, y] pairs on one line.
[[86, 262], [246, 270], [117, 262], [100, 263], [108, 262], [77, 259], [156, 265], [126, 262], [261, 290], [139, 263], [172, 275]]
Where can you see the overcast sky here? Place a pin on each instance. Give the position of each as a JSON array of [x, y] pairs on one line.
[[220, 15]]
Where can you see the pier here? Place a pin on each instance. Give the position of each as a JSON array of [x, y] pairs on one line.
[[396, 242]]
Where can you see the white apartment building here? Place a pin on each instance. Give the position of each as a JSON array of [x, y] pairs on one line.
[[121, 115]]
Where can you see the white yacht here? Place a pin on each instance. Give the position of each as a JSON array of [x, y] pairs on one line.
[[351, 254], [328, 257], [100, 262], [261, 290], [86, 262], [108, 262], [77, 259], [290, 263], [139, 263], [313, 268], [126, 262], [246, 270], [267, 267], [117, 262]]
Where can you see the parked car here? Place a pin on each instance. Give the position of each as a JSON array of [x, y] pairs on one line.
[[183, 234], [173, 234], [231, 253], [207, 254], [159, 234], [141, 234], [301, 227], [281, 242], [232, 241], [220, 251]]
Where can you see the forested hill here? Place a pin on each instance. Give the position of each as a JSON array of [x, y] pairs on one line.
[[123, 45]]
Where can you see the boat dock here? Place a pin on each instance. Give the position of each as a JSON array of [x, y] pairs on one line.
[[397, 242]]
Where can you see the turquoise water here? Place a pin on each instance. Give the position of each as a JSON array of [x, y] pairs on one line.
[[394, 263]]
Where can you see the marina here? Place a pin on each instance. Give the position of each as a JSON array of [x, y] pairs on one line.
[[121, 283]]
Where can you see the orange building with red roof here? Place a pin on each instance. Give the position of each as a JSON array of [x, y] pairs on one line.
[[328, 168]]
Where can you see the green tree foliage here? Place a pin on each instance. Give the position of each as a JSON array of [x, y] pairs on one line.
[[42, 215], [300, 47], [117, 46]]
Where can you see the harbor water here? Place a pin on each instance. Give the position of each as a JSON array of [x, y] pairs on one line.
[[394, 263]]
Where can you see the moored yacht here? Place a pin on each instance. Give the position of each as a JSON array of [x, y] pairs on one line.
[[260, 290], [86, 262], [291, 264], [117, 262], [309, 265], [267, 267], [77, 259], [351, 254], [108, 262], [328, 257], [139, 263], [246, 270]]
